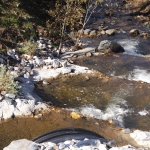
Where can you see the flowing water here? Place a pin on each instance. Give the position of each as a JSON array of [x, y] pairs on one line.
[[123, 97]]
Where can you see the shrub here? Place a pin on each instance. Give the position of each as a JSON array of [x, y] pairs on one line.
[[28, 47], [6, 81]]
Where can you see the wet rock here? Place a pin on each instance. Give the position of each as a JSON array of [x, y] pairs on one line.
[[110, 32], [107, 46], [134, 32]]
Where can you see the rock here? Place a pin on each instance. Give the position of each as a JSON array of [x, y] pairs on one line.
[[2, 61], [10, 95], [48, 61], [93, 33], [110, 32], [107, 46], [38, 61], [141, 137], [127, 131], [134, 32], [1, 97], [25, 107], [103, 32], [108, 13], [8, 100], [105, 28], [66, 70], [45, 82], [80, 32], [100, 28], [7, 110], [3, 93], [11, 53], [63, 63], [56, 63], [75, 115], [87, 31], [22, 144], [88, 54]]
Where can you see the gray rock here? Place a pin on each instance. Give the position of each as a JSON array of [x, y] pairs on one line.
[[127, 131], [107, 46], [2, 61], [22, 144], [8, 100], [56, 63], [110, 32], [93, 33], [63, 63], [103, 32], [45, 82], [7, 110], [66, 71], [134, 32], [88, 54], [1, 97], [87, 31], [11, 53], [3, 93], [10, 95], [24, 107]]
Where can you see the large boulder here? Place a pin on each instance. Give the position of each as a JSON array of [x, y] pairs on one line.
[[107, 46]]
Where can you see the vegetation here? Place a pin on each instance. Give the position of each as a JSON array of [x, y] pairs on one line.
[[28, 47], [22, 19], [6, 81]]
